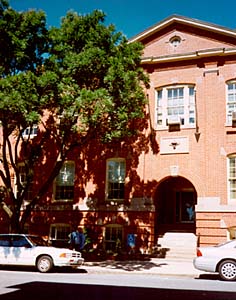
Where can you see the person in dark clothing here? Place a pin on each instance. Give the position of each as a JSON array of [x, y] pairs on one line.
[[77, 239]]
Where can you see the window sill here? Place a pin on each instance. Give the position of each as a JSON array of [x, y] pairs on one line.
[[182, 127], [114, 201], [62, 201], [229, 129]]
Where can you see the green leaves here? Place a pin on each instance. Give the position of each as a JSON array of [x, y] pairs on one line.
[[16, 105], [90, 72], [78, 82], [99, 75], [23, 39]]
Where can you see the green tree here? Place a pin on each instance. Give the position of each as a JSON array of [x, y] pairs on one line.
[[79, 82]]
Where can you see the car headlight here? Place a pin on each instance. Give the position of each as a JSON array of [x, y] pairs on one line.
[[64, 255], [70, 255]]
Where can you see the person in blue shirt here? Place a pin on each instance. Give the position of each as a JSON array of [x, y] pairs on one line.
[[77, 239]]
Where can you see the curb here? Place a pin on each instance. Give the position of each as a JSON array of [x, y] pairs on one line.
[[156, 266]]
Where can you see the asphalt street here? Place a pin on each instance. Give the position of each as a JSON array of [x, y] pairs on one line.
[[163, 279]]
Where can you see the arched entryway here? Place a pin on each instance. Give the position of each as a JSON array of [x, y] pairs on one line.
[[175, 200]]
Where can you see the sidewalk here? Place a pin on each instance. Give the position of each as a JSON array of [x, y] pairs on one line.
[[158, 266]]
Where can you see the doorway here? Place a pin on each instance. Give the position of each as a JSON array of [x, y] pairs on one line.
[[175, 201]]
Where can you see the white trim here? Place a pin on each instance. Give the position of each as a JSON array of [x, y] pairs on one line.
[[174, 145], [183, 20], [54, 200], [33, 131], [228, 121], [212, 204], [56, 226], [230, 201], [163, 106], [191, 55], [115, 159]]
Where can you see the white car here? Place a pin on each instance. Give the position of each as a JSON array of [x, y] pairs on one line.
[[31, 250], [218, 259]]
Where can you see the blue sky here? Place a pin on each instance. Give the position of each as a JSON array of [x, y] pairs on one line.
[[134, 16]]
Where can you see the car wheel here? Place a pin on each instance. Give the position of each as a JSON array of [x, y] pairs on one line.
[[227, 270], [44, 264]]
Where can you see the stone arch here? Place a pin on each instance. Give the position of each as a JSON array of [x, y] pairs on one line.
[[175, 199]]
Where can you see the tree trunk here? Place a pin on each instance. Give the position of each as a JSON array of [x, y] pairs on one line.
[[15, 226]]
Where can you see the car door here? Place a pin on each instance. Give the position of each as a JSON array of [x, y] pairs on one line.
[[4, 249], [21, 251]]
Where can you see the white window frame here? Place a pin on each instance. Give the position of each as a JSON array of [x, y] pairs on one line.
[[188, 104], [30, 132], [175, 41], [55, 199], [22, 176], [59, 232], [112, 244], [231, 179], [230, 104], [121, 179]]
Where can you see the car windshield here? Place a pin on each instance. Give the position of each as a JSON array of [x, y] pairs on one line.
[[37, 240]]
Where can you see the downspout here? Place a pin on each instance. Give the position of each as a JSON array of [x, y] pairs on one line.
[[197, 133]]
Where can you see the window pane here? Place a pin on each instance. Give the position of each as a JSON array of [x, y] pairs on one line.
[[176, 93], [53, 232], [233, 184], [59, 235], [232, 177], [116, 179], [176, 103], [231, 97], [113, 237], [63, 233], [19, 241], [159, 97], [64, 193], [66, 175], [65, 182], [232, 167], [23, 180], [107, 234], [4, 241], [191, 120], [233, 195], [159, 107], [191, 91], [31, 131], [231, 101]]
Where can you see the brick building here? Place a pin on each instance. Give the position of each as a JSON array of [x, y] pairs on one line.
[[180, 175], [192, 67]]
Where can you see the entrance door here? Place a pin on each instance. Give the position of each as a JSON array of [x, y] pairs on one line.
[[175, 201], [185, 207]]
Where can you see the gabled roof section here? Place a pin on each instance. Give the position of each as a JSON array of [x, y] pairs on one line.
[[185, 21]]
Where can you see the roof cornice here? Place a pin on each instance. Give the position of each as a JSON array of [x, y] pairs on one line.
[[185, 21], [189, 55]]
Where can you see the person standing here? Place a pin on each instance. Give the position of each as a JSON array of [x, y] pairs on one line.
[[71, 242], [77, 239]]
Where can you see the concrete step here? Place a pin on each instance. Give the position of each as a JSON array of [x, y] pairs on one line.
[[179, 244]]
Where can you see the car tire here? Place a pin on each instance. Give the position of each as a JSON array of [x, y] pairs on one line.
[[227, 270], [44, 264]]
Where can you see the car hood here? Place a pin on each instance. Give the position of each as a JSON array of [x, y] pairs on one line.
[[54, 250]]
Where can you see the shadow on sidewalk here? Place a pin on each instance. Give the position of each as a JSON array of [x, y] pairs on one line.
[[128, 266]]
